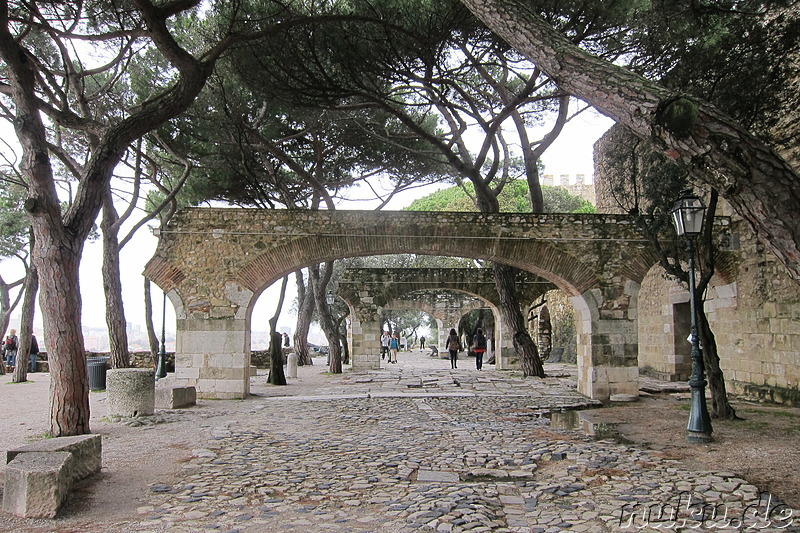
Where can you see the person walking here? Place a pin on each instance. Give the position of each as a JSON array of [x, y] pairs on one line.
[[422, 343], [394, 345], [385, 344], [453, 346], [479, 348], [33, 353], [10, 348]]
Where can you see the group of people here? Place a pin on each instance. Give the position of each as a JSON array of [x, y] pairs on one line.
[[10, 350], [390, 345], [478, 347]]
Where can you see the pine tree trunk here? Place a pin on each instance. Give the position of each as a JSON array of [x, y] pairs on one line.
[[304, 316], [762, 188], [26, 326], [57, 260], [276, 373], [112, 288], [504, 277], [720, 406], [317, 284]]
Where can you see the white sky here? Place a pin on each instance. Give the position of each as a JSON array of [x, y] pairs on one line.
[[572, 154]]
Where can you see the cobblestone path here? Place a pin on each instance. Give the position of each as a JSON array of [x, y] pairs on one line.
[[427, 449]]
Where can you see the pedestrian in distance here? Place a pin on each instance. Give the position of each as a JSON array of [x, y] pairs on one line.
[[479, 348], [10, 348], [385, 344], [453, 346], [33, 353], [394, 346], [422, 343], [285, 339]]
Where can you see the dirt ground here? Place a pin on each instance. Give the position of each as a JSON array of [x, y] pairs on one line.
[[762, 447]]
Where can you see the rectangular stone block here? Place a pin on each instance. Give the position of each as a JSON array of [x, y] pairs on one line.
[[87, 451], [168, 397], [36, 484]]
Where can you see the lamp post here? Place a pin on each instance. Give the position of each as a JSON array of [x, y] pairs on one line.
[[687, 216], [161, 370], [329, 299]]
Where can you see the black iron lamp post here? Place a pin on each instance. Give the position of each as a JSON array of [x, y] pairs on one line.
[[329, 298], [161, 370], [687, 216]]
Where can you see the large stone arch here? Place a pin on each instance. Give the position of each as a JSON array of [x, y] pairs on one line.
[[219, 260]]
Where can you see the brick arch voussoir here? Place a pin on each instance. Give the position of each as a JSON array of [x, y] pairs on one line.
[[552, 263]]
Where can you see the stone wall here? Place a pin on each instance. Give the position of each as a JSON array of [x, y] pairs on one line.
[[583, 187], [753, 307]]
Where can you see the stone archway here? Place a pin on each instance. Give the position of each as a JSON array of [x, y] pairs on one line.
[[369, 290], [219, 260]]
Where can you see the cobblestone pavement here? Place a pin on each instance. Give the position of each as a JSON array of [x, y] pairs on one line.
[[420, 447]]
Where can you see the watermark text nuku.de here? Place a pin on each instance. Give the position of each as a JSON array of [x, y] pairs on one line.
[[687, 511]]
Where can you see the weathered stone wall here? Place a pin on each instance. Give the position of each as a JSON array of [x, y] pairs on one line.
[[753, 307]]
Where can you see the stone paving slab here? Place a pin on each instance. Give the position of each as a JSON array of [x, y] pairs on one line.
[[357, 455]]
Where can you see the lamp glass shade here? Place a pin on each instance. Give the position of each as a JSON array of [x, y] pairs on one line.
[[329, 298], [687, 215]]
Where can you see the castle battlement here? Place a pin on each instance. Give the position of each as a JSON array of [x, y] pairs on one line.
[[577, 185]]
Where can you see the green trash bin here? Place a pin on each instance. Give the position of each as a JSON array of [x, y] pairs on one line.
[[96, 370]]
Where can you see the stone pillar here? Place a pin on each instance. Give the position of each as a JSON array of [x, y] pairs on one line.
[[506, 357], [291, 365], [131, 391], [365, 342], [607, 349], [213, 355]]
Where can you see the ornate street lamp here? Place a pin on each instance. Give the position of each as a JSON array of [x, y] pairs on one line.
[[330, 298], [687, 216], [161, 370]]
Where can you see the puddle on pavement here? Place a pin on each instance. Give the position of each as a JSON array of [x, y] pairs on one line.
[[587, 422]]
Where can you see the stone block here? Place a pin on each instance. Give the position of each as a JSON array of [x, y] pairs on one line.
[[131, 392], [37, 483], [172, 397], [86, 450]]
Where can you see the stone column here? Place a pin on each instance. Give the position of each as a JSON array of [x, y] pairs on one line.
[[607, 348], [365, 342], [214, 357], [212, 350], [506, 357]]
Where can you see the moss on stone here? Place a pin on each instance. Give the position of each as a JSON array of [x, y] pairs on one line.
[[679, 117]]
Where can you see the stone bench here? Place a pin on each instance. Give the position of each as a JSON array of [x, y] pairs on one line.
[[39, 476]]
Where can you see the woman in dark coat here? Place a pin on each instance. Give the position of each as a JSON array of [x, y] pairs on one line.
[[453, 346], [478, 348]]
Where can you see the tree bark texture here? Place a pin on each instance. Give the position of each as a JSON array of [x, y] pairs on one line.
[[276, 374], [57, 262], [720, 406], [112, 287], [318, 283], [761, 187], [304, 315], [505, 281], [26, 325]]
